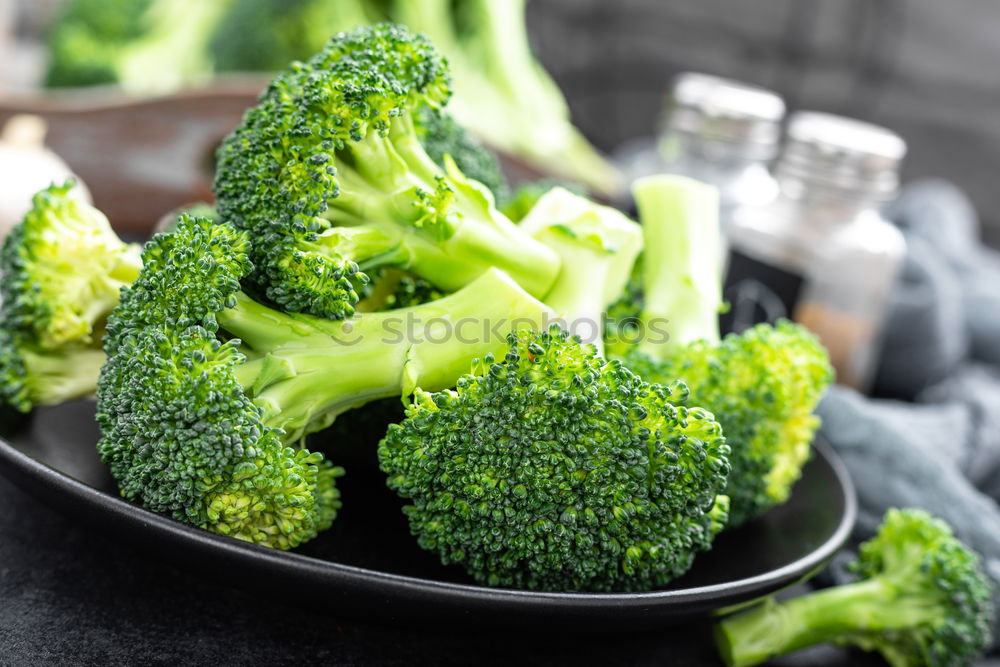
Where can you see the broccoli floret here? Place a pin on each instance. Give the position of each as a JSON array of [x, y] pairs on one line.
[[442, 135], [146, 46], [328, 174], [62, 269], [762, 385], [267, 35], [597, 246], [205, 388], [921, 599], [556, 469], [503, 94]]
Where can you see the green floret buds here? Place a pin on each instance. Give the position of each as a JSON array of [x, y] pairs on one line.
[[182, 439], [921, 598], [328, 174], [555, 469], [63, 268]]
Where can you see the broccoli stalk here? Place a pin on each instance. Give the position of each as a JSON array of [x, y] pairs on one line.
[[922, 599], [762, 385], [598, 247], [503, 95], [553, 468], [682, 279], [63, 268], [304, 371], [205, 388], [329, 175]]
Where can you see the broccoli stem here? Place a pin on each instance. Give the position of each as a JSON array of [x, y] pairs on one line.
[[304, 371], [378, 223], [504, 36], [830, 615], [681, 269]]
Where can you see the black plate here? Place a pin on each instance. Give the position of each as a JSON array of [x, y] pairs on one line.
[[368, 566]]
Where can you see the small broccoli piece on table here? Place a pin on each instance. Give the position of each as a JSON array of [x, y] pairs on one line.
[[761, 385], [597, 246], [555, 469], [921, 598], [62, 270], [328, 174], [207, 393]]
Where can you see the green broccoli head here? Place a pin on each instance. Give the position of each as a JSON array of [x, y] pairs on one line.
[[179, 432], [207, 393], [328, 174], [62, 270], [922, 598], [556, 469], [762, 386], [182, 438]]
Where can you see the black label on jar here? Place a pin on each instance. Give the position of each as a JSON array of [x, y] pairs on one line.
[[757, 292]]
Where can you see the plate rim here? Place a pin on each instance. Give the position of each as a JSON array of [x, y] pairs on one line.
[[23, 464]]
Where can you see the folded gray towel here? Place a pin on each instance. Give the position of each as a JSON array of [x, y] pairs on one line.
[[926, 336], [941, 216], [975, 386]]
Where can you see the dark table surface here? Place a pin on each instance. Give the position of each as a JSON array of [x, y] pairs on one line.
[[70, 596]]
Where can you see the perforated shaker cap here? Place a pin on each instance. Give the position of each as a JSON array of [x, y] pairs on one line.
[[842, 153], [726, 110]]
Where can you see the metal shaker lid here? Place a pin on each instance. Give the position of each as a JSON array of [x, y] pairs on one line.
[[842, 153], [726, 110]]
